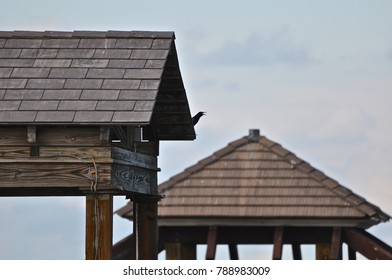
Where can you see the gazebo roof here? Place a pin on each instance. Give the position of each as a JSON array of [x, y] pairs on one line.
[[255, 181], [94, 78]]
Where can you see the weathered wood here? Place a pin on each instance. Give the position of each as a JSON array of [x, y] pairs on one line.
[[16, 152], [130, 158], [31, 134], [323, 251], [124, 249], [366, 244], [233, 251], [145, 209], [336, 244], [278, 244], [13, 136], [211, 242], [134, 179], [352, 255], [296, 248], [99, 226], [104, 134], [86, 153], [53, 174], [69, 136], [180, 251]]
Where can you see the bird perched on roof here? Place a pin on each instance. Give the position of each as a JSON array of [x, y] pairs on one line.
[[196, 118]]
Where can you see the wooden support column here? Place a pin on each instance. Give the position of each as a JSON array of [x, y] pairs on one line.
[[99, 226], [278, 243], [323, 251], [180, 251], [336, 244], [145, 214], [211, 243], [297, 255], [233, 251], [352, 255]]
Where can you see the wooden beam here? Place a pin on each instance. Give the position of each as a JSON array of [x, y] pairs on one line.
[[367, 244], [352, 255], [180, 251], [296, 248], [233, 251], [211, 242], [145, 220], [31, 134], [323, 251], [99, 226], [124, 249], [104, 134], [278, 243], [336, 244]]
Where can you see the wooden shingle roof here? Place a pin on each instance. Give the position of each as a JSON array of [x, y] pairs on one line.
[[255, 180], [94, 78]]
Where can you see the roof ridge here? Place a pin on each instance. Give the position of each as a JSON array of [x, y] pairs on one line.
[[356, 201], [87, 34]]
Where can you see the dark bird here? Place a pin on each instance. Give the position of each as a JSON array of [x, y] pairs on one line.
[[196, 118]]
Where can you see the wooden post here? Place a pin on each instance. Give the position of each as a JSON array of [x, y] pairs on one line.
[[278, 243], [233, 251], [211, 243], [145, 220], [99, 226], [180, 251], [323, 251], [352, 255], [336, 244], [297, 255]]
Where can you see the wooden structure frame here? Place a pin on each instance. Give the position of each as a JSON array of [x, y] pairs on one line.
[[254, 191], [82, 114]]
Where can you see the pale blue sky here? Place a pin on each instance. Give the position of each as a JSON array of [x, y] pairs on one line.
[[314, 76]]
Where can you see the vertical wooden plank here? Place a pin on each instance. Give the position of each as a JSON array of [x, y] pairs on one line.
[[211, 242], [145, 211], [233, 251], [336, 244], [99, 226], [323, 251], [278, 243], [180, 251], [352, 254], [297, 255]]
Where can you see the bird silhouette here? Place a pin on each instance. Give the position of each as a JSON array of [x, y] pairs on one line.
[[196, 118]]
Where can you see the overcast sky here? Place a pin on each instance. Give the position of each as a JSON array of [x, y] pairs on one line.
[[314, 76]]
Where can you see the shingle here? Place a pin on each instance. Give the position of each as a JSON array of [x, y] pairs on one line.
[[17, 116], [105, 73], [149, 84], [121, 84], [149, 54], [97, 43], [38, 53], [42, 105], [52, 63], [132, 63], [13, 62], [9, 105], [143, 74], [137, 94], [2, 43], [92, 63], [100, 94], [116, 105], [112, 53], [60, 43], [2, 93], [78, 105], [93, 116], [57, 34], [68, 73], [23, 43], [5, 72], [62, 94], [23, 94], [30, 72], [132, 117], [12, 83], [87, 33], [83, 83], [133, 43], [9, 53], [45, 83], [55, 116], [162, 43], [145, 105], [155, 63], [78, 53]]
